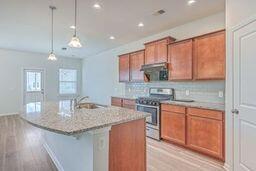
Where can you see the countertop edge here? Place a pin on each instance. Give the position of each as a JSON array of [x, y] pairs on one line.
[[189, 104], [82, 130]]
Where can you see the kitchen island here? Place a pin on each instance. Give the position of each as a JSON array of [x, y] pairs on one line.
[[91, 139]]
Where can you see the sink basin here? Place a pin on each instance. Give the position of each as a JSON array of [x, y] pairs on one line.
[[89, 106]]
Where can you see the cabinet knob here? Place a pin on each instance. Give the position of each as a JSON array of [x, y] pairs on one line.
[[235, 111]]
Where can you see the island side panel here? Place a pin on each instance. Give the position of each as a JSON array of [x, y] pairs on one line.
[[127, 146]]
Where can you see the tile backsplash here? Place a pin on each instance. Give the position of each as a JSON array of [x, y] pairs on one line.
[[204, 91]]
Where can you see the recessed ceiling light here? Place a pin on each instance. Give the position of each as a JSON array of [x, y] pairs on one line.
[[140, 24], [190, 2], [111, 37], [72, 27], [97, 6]]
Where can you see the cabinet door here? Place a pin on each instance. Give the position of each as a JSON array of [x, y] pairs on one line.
[[180, 59], [205, 135], [124, 71], [129, 104], [209, 56], [161, 51], [173, 127], [150, 53], [136, 61], [116, 101]]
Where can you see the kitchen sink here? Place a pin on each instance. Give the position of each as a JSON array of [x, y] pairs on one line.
[[89, 106]]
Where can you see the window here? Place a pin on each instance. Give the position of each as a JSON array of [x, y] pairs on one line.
[[67, 81], [34, 107], [33, 81]]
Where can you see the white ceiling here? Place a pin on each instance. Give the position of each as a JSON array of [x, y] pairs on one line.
[[25, 24]]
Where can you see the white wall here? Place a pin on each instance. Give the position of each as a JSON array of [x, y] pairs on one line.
[[12, 64], [236, 12], [100, 72]]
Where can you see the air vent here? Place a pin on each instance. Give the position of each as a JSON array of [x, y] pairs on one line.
[[160, 12]]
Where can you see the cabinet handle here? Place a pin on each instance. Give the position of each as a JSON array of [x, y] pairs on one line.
[[235, 111]]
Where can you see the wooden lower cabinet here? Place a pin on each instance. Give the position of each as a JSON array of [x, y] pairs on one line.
[[129, 104], [173, 128], [122, 102], [127, 146], [115, 101], [198, 129], [205, 134]]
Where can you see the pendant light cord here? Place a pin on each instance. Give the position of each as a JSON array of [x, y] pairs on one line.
[[52, 31], [75, 15]]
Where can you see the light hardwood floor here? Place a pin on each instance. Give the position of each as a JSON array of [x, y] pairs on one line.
[[21, 149]]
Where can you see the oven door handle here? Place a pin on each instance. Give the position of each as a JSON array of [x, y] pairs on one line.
[[156, 107]]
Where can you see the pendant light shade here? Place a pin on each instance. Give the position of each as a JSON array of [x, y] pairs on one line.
[[75, 42], [52, 56]]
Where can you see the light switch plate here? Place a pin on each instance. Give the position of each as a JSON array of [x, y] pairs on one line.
[[221, 94]]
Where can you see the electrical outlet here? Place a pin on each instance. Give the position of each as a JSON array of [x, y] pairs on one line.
[[187, 92], [221, 94]]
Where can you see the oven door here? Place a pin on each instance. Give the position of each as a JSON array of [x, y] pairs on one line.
[[153, 120]]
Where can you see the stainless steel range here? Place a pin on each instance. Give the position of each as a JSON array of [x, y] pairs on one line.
[[151, 104]]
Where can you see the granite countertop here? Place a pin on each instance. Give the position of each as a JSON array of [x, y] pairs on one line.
[[61, 117], [203, 105]]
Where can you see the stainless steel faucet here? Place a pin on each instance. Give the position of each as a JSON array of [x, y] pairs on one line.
[[77, 102]]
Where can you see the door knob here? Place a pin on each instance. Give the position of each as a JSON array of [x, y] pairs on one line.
[[235, 111]]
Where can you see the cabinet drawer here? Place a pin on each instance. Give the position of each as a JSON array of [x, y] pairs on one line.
[[129, 102], [116, 101], [212, 114], [173, 108]]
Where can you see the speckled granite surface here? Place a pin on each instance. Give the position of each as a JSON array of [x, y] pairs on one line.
[[62, 118], [204, 105]]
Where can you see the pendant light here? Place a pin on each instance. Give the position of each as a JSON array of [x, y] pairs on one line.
[[52, 56], [75, 42]]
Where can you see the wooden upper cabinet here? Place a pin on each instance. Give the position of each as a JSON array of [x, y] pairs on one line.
[[150, 52], [124, 68], [209, 56], [157, 51], [180, 58], [136, 61], [162, 50]]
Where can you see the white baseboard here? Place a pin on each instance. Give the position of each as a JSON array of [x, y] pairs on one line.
[[8, 114], [53, 157]]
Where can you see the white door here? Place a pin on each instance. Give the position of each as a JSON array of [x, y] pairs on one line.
[[33, 86], [244, 53]]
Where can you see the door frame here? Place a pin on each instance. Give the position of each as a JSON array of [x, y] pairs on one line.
[[229, 100], [23, 82]]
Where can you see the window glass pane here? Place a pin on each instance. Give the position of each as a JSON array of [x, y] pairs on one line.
[[68, 81], [68, 75], [67, 87], [33, 107], [38, 81], [30, 81], [33, 81]]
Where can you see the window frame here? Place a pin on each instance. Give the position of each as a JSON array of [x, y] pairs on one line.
[[76, 82]]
